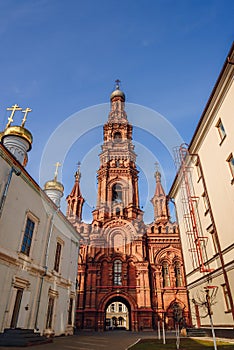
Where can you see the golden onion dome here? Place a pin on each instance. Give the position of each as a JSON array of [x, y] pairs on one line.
[[117, 93], [19, 131], [53, 185]]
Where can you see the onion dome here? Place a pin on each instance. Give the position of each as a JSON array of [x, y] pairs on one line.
[[54, 189], [21, 132], [54, 185], [17, 139], [117, 92]]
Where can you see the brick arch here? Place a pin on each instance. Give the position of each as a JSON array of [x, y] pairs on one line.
[[106, 300], [124, 227], [100, 257], [117, 180], [178, 301], [167, 254]]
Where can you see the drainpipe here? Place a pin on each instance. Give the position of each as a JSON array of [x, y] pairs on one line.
[[51, 224], [3, 199]]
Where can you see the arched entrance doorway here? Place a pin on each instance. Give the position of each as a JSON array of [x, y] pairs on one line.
[[117, 314], [175, 315]]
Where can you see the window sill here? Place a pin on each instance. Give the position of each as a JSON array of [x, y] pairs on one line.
[[222, 140], [228, 311], [25, 257]]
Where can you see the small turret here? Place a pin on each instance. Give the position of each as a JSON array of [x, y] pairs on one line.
[[53, 188], [159, 200], [17, 139], [75, 200]]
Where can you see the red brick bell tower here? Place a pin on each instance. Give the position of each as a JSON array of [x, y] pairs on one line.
[[130, 274]]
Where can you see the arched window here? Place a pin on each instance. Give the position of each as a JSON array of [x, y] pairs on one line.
[[165, 274], [160, 229], [178, 274], [167, 229], [114, 321], [120, 321], [117, 212], [117, 193], [117, 136], [117, 272]]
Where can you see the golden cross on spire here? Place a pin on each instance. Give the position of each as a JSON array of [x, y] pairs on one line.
[[57, 165], [78, 174], [13, 109], [26, 111]]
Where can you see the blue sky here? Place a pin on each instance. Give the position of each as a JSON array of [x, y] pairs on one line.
[[60, 57]]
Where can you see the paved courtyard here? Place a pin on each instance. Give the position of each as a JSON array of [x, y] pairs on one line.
[[116, 340]]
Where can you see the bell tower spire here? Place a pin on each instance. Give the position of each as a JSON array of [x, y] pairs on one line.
[[117, 175], [159, 200], [75, 200]]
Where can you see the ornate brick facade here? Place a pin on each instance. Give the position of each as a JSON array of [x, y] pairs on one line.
[[121, 258]]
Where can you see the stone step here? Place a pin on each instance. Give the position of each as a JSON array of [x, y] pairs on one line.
[[196, 332], [22, 337]]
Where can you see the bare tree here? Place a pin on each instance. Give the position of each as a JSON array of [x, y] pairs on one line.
[[205, 300]]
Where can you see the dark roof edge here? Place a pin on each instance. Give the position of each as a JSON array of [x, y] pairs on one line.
[[205, 110], [212, 94]]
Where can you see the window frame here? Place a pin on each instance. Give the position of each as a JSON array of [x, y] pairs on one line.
[[28, 216], [165, 274], [117, 193], [221, 130], [50, 312], [230, 160], [70, 312], [205, 202], [117, 272], [58, 255], [178, 274], [226, 298]]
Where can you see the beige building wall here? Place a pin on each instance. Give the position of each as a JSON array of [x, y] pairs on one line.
[[32, 278], [207, 177]]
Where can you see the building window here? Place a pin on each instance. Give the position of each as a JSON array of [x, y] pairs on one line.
[[27, 239], [57, 257], [198, 171], [160, 229], [112, 308], [121, 321], [117, 136], [205, 201], [226, 298], [117, 273], [221, 130], [50, 311], [230, 161], [117, 193], [165, 274], [214, 238], [70, 309], [178, 276], [120, 307]]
